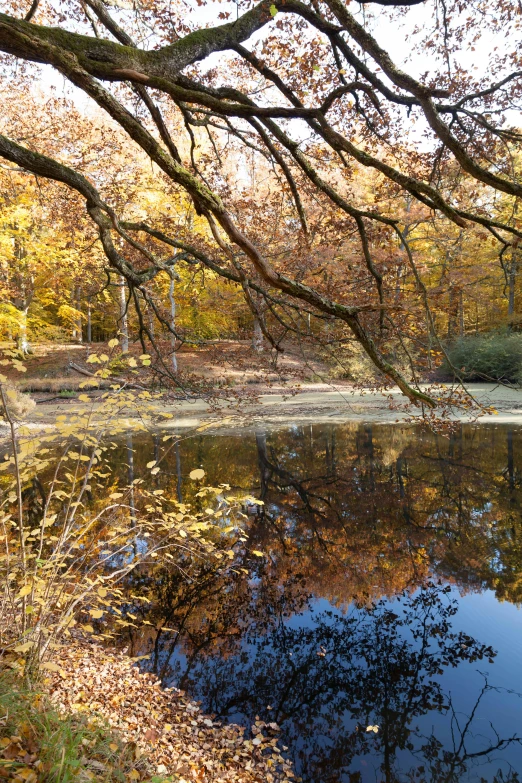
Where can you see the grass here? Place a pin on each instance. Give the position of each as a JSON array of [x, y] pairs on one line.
[[65, 386], [39, 744]]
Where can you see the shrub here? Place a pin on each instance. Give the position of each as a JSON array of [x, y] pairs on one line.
[[494, 356], [71, 530]]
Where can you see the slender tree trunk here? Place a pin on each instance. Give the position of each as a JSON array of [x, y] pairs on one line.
[[89, 321], [79, 308], [75, 323], [173, 324], [178, 472], [512, 279], [23, 342], [453, 311], [124, 323]]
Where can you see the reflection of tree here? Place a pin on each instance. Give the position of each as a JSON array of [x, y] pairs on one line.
[[330, 677], [412, 504], [351, 514], [372, 509]]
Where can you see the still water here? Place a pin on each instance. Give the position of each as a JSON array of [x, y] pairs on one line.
[[388, 598]]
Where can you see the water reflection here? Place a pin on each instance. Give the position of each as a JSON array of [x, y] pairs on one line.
[[377, 538]]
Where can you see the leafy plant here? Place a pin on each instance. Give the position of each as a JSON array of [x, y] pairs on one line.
[[69, 534], [493, 356]]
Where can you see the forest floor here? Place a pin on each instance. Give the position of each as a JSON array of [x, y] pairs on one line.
[[231, 386], [50, 368], [94, 716]]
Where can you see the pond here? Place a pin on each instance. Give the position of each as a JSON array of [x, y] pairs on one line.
[[382, 629]]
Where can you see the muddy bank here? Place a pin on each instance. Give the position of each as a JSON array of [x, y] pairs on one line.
[[314, 403]]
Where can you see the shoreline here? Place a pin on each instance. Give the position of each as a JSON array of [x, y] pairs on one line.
[[279, 407]]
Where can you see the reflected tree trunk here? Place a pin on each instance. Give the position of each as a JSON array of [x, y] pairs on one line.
[[178, 472], [265, 473]]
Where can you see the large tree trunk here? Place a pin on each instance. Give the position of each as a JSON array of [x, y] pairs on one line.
[[258, 343]]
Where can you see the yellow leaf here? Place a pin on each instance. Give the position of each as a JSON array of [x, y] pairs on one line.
[[84, 398], [51, 667], [26, 589], [88, 628], [113, 343], [26, 774], [154, 471], [96, 613], [23, 647], [151, 464], [197, 474], [113, 747], [102, 592], [257, 553], [115, 495], [104, 357]]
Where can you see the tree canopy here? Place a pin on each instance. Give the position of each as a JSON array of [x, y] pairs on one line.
[[367, 162]]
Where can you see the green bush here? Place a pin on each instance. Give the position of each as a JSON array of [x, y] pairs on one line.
[[486, 357]]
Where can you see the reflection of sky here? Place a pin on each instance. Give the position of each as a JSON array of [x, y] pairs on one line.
[[250, 659], [463, 683]]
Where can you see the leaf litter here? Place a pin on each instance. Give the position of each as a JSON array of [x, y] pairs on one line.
[[162, 725]]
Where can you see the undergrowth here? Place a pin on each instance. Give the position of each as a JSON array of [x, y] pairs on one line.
[[496, 356]]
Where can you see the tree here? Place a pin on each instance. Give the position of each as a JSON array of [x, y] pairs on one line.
[[316, 97]]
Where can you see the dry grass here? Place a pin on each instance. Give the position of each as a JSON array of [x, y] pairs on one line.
[[56, 385], [19, 405]]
